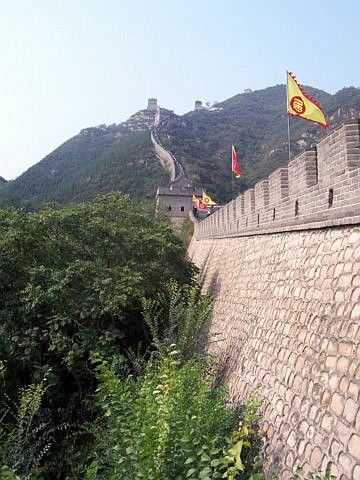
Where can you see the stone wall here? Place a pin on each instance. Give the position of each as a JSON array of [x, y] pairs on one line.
[[287, 310], [318, 188], [164, 156], [286, 319]]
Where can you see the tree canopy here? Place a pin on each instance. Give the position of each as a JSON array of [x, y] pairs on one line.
[[72, 280]]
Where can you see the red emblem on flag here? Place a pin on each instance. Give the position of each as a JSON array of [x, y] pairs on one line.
[[298, 105]]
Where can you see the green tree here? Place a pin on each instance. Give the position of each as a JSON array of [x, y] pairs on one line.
[[73, 280]]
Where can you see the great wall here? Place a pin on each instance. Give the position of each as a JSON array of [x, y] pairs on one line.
[[282, 262]]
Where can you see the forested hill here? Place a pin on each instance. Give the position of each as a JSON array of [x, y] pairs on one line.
[[96, 161], [256, 123], [121, 157]]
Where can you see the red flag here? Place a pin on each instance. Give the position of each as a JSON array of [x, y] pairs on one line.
[[235, 167]]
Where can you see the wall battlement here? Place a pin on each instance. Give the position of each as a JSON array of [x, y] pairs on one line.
[[318, 188], [286, 315]]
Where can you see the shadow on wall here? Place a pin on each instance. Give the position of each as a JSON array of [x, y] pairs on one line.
[[211, 289], [220, 342]]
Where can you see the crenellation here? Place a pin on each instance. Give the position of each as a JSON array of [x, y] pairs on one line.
[[240, 205], [233, 216], [317, 188], [303, 172], [249, 201], [278, 186], [261, 194], [228, 213]]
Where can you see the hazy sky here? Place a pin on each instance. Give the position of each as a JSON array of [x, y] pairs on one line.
[[70, 64]]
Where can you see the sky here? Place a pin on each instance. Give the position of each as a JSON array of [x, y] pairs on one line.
[[72, 64]]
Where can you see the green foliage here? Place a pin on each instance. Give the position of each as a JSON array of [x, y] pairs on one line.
[[71, 280], [24, 438], [2, 369], [314, 475], [169, 424], [104, 159], [89, 164], [186, 232], [177, 316]]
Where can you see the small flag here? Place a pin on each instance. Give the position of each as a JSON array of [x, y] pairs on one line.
[[300, 104], [235, 167], [207, 199], [201, 205]]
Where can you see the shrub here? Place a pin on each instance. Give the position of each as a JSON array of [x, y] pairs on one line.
[[170, 424]]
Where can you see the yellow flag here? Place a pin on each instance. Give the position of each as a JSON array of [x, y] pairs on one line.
[[207, 200], [300, 104]]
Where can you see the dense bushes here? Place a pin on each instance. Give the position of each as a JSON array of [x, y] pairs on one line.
[[168, 421], [72, 280]]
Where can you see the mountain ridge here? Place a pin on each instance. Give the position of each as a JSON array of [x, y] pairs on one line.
[[121, 156]]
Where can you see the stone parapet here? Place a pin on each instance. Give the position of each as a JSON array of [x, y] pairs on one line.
[[318, 188]]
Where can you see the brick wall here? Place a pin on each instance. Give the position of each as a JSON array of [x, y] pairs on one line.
[[318, 188], [286, 312]]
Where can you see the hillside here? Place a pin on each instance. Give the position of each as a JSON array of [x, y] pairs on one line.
[[86, 165], [97, 160], [257, 123], [121, 157]]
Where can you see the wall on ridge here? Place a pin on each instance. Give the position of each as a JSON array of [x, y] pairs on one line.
[[165, 158], [283, 264]]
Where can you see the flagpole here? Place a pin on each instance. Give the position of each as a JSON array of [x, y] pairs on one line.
[[288, 128], [288, 116]]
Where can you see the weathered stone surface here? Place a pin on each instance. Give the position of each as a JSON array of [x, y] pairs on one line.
[[351, 409], [356, 473], [337, 404], [354, 446], [347, 464], [276, 335]]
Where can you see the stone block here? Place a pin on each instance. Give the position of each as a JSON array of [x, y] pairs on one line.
[[351, 409], [249, 201], [346, 464], [316, 458], [327, 422], [354, 446], [356, 472]]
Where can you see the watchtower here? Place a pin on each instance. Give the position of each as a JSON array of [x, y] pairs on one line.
[[152, 104], [177, 199]]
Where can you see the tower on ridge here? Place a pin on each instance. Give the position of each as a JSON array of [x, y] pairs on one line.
[[152, 104]]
